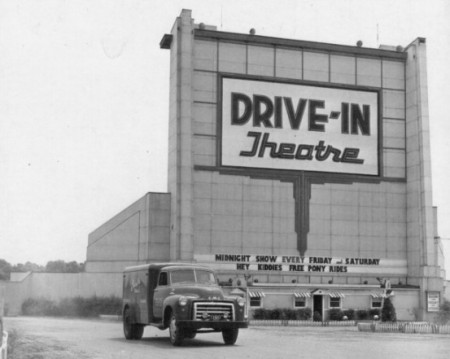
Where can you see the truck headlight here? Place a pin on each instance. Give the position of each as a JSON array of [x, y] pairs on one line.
[[240, 301], [182, 301]]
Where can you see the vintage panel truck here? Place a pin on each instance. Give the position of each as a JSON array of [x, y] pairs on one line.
[[185, 298]]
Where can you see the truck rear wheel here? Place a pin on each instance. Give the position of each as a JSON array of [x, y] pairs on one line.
[[190, 334], [230, 336], [176, 333], [138, 331], [131, 330]]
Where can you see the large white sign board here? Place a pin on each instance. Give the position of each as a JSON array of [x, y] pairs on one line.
[[288, 126]]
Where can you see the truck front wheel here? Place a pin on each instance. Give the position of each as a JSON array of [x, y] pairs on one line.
[[176, 333], [230, 336]]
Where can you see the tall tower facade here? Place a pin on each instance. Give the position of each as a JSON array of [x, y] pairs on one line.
[[300, 162]]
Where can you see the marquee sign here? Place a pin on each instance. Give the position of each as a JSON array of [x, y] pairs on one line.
[[288, 263], [299, 127]]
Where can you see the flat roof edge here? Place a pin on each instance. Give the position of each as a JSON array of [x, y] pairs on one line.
[[162, 265], [310, 45]]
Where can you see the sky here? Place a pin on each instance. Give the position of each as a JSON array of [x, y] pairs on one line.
[[84, 90]]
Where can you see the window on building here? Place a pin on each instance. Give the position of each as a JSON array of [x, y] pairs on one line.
[[376, 302], [300, 302], [255, 302], [335, 302], [255, 298]]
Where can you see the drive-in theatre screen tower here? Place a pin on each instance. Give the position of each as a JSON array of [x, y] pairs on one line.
[[299, 170]]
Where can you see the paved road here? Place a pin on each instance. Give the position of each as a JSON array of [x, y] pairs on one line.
[[92, 339]]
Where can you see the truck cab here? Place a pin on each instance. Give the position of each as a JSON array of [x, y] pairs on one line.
[[182, 297]]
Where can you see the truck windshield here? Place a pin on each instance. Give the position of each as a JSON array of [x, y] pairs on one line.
[[192, 276], [205, 277]]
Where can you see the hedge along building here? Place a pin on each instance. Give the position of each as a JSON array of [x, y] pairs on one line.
[[299, 168]]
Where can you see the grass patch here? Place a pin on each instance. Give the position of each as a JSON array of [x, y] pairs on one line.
[[12, 342], [33, 347]]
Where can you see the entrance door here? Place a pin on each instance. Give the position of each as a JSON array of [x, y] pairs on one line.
[[318, 308]]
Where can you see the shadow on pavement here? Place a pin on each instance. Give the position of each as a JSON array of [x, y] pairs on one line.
[[164, 342]]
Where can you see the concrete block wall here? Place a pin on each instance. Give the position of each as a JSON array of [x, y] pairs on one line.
[[138, 234], [361, 219], [237, 214]]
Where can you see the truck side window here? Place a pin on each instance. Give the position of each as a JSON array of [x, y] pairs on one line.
[[162, 278]]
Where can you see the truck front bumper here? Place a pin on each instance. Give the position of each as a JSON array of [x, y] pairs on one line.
[[216, 325]]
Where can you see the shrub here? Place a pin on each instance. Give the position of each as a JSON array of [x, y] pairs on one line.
[[39, 306], [336, 314], [303, 314], [68, 307], [94, 306], [349, 313], [282, 313], [259, 314], [388, 312], [288, 314], [317, 317], [373, 312], [275, 314], [443, 317], [73, 307], [5, 309], [362, 314]]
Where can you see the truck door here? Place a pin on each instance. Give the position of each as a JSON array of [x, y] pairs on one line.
[[141, 296], [161, 292], [151, 285]]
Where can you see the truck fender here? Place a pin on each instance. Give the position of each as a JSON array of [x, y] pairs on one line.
[[170, 304]]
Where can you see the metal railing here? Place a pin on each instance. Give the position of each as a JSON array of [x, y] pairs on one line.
[[397, 327], [300, 323], [405, 327]]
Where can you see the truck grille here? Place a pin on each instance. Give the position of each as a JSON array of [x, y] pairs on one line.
[[213, 311]]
